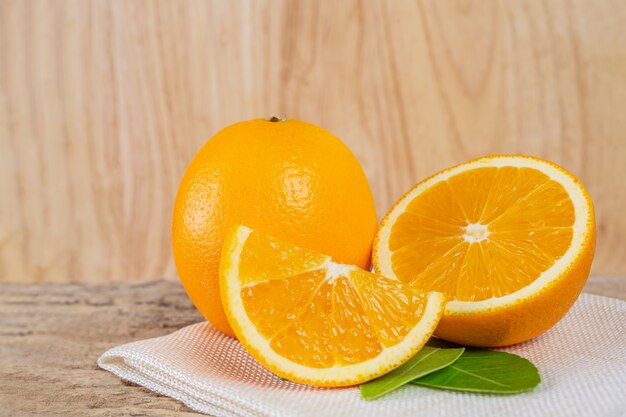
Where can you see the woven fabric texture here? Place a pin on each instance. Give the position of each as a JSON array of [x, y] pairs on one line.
[[582, 362]]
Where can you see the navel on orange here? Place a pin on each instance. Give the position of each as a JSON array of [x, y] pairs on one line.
[[314, 321], [509, 239], [289, 178]]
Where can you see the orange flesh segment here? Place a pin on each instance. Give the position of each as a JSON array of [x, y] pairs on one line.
[[260, 260], [483, 233], [344, 315]]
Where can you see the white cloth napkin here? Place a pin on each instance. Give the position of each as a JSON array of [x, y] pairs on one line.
[[582, 362]]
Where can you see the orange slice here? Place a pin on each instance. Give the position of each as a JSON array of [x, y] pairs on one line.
[[508, 238], [314, 321]]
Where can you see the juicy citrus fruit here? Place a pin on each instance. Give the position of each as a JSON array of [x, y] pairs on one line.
[[509, 239], [286, 177], [311, 320]]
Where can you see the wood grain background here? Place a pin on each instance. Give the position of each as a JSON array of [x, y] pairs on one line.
[[103, 103]]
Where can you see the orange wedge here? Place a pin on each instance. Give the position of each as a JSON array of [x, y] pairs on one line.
[[509, 239], [314, 321]]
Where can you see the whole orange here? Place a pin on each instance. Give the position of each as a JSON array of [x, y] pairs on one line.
[[287, 178]]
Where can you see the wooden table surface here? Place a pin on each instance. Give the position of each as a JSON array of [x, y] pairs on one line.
[[52, 334]]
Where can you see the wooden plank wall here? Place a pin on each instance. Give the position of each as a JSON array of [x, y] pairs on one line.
[[102, 104]]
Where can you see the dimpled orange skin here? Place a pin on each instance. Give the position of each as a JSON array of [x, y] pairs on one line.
[[289, 179]]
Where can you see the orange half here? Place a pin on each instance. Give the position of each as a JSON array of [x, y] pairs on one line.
[[508, 238], [314, 321]]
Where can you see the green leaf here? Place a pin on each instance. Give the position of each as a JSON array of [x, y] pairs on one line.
[[480, 370], [428, 359], [440, 343]]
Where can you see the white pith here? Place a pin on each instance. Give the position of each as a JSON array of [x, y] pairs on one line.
[[582, 212], [335, 270], [476, 232], [390, 356]]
